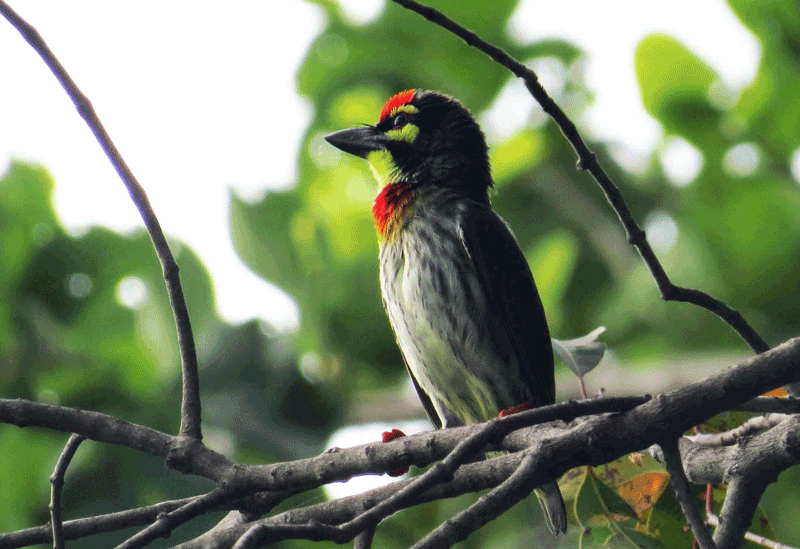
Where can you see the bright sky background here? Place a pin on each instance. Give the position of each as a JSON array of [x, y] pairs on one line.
[[200, 100]]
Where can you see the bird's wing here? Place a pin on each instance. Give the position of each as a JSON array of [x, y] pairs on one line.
[[427, 404], [510, 289]]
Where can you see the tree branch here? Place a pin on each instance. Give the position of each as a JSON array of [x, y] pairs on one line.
[[587, 160], [490, 506], [713, 520], [81, 528], [683, 493], [190, 408], [57, 482], [747, 428], [587, 441], [593, 440], [104, 428]]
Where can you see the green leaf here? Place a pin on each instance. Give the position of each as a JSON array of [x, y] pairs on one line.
[[674, 85], [262, 236]]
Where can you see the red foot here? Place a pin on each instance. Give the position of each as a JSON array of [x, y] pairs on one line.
[[516, 409], [389, 436]]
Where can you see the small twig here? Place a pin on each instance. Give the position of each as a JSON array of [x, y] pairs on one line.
[[100, 524], [679, 482], [167, 522], [190, 408], [747, 428], [713, 520], [57, 482], [587, 160], [440, 472], [488, 507], [364, 539], [250, 538]]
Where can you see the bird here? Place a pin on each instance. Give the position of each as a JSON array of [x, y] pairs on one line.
[[455, 284]]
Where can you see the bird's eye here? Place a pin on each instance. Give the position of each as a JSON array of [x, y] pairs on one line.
[[400, 120]]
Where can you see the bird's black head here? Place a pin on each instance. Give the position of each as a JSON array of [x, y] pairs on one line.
[[423, 138]]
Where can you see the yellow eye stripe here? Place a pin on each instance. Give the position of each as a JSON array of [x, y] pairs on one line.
[[410, 109], [408, 132]]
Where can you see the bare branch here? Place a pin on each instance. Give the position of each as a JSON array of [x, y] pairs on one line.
[[587, 160], [104, 428], [588, 441], [364, 539], [81, 528], [770, 405], [741, 502], [250, 539], [167, 522], [190, 409], [57, 482], [764, 455], [488, 507], [747, 428], [713, 520], [680, 484]]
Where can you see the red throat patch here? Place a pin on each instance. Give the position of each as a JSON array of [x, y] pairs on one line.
[[395, 101], [391, 201]]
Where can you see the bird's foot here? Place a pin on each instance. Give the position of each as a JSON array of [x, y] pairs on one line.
[[515, 410], [389, 436]]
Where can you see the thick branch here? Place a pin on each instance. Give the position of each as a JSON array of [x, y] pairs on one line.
[[590, 441], [104, 428], [766, 455], [190, 410]]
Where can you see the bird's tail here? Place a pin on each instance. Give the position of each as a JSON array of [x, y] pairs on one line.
[[553, 507]]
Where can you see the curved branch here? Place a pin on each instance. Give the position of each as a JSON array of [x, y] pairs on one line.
[[593, 440], [57, 481], [511, 491], [104, 428], [587, 160], [190, 408], [683, 493]]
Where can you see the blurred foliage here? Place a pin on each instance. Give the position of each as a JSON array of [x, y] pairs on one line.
[[66, 335]]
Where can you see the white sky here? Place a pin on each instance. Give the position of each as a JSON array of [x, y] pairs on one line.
[[201, 99]]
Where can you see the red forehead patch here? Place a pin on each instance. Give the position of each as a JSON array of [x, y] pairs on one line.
[[401, 98]]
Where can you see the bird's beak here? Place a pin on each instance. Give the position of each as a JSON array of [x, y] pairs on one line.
[[359, 141]]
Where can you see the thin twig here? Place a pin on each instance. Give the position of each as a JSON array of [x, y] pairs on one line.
[[57, 482], [747, 428], [167, 522], [679, 482], [190, 408], [100, 524], [488, 507], [587, 160], [713, 520]]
